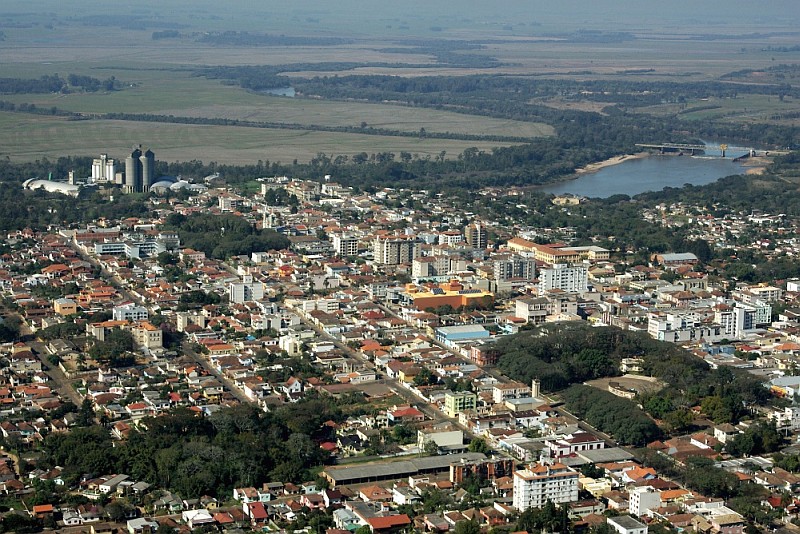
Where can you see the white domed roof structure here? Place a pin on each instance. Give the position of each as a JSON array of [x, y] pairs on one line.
[[52, 187]]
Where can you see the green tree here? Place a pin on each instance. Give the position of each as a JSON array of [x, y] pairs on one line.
[[86, 414], [479, 445], [467, 527]]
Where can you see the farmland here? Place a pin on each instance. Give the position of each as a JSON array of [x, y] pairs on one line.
[[28, 137]]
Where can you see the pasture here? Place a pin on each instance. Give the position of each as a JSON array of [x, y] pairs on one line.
[[29, 137]]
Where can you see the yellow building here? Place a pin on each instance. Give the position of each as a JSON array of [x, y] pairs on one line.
[[65, 307], [448, 294]]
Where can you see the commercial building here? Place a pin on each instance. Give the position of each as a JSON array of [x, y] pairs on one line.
[[395, 249], [446, 436], [452, 335], [50, 186], [448, 294], [375, 472], [537, 484]]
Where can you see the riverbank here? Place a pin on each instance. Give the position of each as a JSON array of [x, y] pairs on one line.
[[756, 165], [616, 160]]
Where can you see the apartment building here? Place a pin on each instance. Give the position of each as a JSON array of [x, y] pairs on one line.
[[537, 484]]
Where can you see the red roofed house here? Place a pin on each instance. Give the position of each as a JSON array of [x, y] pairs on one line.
[[256, 512], [405, 414], [389, 523]]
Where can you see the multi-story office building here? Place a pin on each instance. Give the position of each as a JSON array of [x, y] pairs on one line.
[[395, 249], [537, 484]]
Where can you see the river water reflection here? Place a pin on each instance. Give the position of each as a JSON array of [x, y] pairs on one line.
[[654, 173]]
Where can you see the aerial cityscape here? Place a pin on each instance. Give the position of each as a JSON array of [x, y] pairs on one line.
[[400, 267]]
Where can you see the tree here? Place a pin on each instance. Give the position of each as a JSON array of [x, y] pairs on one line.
[[167, 258], [431, 448], [86, 413], [424, 377], [403, 434], [467, 527], [479, 445], [118, 510]]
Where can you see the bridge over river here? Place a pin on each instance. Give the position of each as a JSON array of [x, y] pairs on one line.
[[678, 147]]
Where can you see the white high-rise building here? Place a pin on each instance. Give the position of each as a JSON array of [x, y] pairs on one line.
[[643, 500], [537, 484], [104, 170], [245, 291], [561, 276]]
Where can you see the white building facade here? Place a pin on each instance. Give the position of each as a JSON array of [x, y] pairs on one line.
[[537, 484]]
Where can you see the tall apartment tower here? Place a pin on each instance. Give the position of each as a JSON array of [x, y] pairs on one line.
[[104, 170], [476, 236], [395, 249], [140, 170], [345, 244], [537, 484], [561, 276]]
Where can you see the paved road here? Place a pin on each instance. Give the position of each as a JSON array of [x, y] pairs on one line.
[[61, 384], [205, 363], [107, 276]]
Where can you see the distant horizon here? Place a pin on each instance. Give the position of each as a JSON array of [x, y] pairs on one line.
[[352, 17]]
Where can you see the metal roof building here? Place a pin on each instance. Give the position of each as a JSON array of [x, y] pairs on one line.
[[374, 472]]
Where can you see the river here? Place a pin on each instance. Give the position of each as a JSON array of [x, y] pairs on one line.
[[653, 173]]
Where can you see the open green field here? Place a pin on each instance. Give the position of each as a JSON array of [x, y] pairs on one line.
[[744, 108], [98, 39], [179, 94], [28, 137]]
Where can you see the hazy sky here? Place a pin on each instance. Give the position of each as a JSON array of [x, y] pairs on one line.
[[348, 14]]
